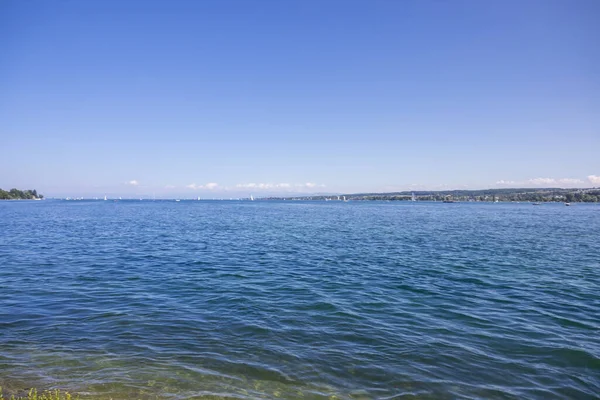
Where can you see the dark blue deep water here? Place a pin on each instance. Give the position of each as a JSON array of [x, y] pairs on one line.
[[300, 300]]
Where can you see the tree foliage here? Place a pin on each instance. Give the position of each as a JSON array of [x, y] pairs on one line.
[[489, 195], [16, 194]]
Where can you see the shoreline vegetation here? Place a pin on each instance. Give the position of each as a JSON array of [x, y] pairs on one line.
[[33, 394], [16, 194], [542, 195], [525, 195]]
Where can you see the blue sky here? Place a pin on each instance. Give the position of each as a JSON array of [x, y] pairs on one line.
[[220, 98]]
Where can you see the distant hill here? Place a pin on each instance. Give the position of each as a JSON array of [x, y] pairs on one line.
[[16, 194], [590, 195]]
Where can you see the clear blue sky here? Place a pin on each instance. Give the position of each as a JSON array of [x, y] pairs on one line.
[[142, 97]]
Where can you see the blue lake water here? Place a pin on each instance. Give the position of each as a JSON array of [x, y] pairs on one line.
[[300, 300]]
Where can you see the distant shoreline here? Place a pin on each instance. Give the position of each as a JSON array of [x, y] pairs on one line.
[[587, 195], [16, 194], [524, 195]]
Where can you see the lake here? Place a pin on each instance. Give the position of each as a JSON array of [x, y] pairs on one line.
[[300, 300]]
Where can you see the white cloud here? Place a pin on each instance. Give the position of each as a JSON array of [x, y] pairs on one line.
[[208, 186], [503, 182], [553, 181], [594, 179], [263, 186], [542, 182], [308, 185], [277, 186], [570, 181], [133, 183]]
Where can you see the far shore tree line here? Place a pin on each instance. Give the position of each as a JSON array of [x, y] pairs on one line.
[[16, 194], [488, 195]]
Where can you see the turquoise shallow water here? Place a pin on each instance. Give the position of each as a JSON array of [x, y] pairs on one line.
[[193, 299]]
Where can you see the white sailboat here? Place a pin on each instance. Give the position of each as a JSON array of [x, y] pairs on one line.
[[413, 198], [251, 198], [104, 197]]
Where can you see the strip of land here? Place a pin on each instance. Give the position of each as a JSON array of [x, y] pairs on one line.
[[590, 195], [16, 194]]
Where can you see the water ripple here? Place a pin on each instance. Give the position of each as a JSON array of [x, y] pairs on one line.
[[246, 300]]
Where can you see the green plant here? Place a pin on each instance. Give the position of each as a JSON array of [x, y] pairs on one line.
[[45, 395]]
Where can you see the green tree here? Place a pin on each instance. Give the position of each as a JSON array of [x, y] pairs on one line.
[[569, 197], [16, 194]]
